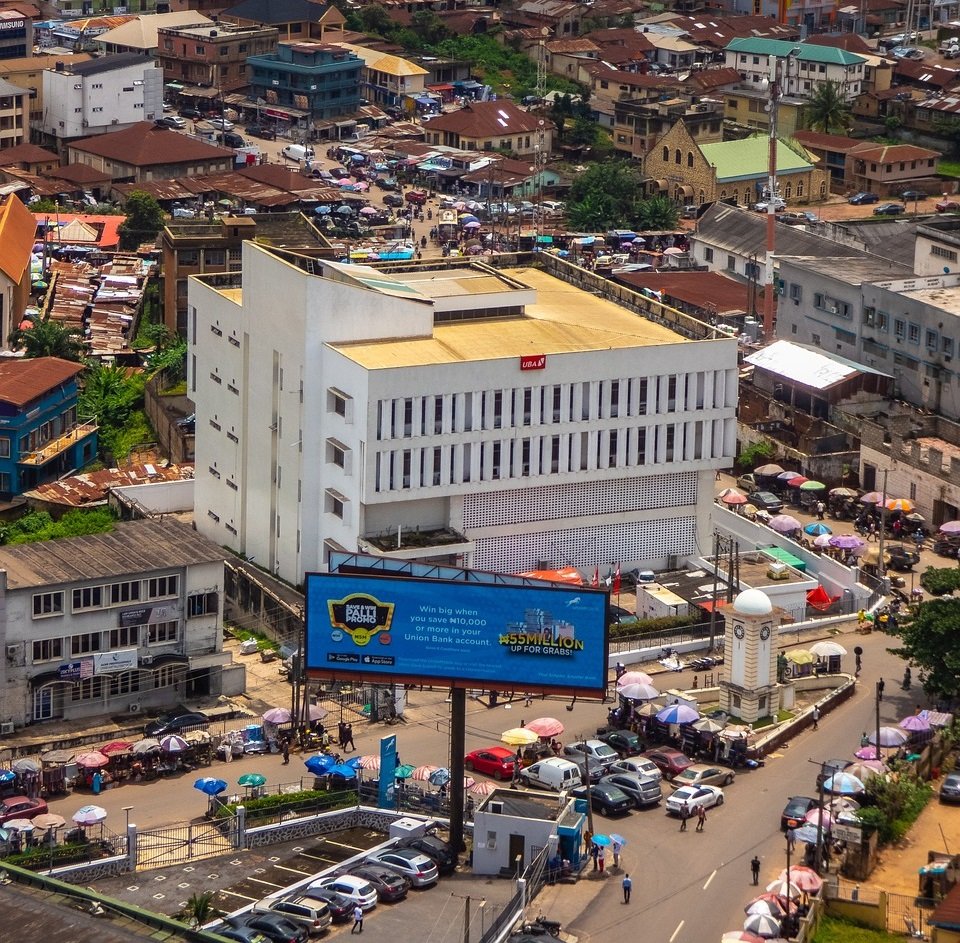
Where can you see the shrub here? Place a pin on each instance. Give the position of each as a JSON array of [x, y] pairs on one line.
[[652, 626], [307, 800], [897, 801], [940, 582]]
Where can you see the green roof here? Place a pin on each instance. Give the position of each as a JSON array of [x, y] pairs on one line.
[[808, 52], [747, 159]]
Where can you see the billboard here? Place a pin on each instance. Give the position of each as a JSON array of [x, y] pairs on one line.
[[504, 637]]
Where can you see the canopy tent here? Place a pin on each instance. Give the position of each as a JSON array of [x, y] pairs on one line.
[[566, 574], [820, 599]]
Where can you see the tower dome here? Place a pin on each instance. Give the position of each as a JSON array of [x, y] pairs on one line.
[[753, 602]]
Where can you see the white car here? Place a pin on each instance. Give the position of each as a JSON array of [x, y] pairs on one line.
[[639, 766], [415, 866], [357, 889], [694, 796], [221, 124], [778, 204]]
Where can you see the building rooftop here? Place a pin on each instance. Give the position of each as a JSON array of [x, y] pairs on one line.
[[90, 488], [525, 805], [141, 33], [27, 154], [744, 160], [708, 290], [18, 232], [384, 62], [121, 60], [808, 52], [131, 547], [144, 144], [805, 365], [24, 380], [275, 12], [488, 119], [857, 267], [947, 298]]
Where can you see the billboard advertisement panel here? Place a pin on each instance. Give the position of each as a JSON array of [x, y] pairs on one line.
[[387, 628]]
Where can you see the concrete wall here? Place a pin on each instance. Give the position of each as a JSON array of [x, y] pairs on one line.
[[165, 497], [869, 914]]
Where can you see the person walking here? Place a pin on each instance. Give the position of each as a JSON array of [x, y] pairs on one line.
[[601, 860], [617, 848], [881, 684], [684, 815], [791, 840], [821, 507], [701, 817], [816, 717], [755, 870], [348, 741], [357, 920], [286, 751], [627, 887], [595, 854]]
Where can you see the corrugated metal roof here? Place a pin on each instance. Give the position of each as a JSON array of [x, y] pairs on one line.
[[92, 487], [23, 381], [806, 366]]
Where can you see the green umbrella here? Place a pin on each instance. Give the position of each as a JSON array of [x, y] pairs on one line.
[[404, 771], [252, 779], [812, 486]]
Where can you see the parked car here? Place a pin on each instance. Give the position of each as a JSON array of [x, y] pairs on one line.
[[792, 219], [173, 122], [230, 139], [275, 928], [747, 482], [386, 183], [220, 124], [356, 889], [312, 914], [795, 811], [624, 742], [242, 934], [644, 791], [694, 796], [591, 754], [670, 762], [389, 885], [605, 799], [888, 209], [340, 906], [706, 775], [946, 206], [778, 204], [909, 196], [859, 199], [445, 858], [419, 869], [393, 199], [639, 765], [765, 500], [191, 113], [175, 723], [497, 762], [829, 769], [555, 773], [261, 131], [902, 559], [21, 807], [950, 788], [416, 197]]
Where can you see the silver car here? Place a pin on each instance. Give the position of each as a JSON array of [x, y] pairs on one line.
[[415, 866]]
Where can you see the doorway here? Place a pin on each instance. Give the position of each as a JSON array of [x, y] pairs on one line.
[[517, 858]]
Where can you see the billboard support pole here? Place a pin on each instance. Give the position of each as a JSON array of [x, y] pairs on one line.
[[458, 722]]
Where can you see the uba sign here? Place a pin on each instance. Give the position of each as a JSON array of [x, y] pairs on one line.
[[533, 362]]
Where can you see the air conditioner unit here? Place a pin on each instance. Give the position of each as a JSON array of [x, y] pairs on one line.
[[6, 728], [133, 708], [778, 571], [115, 121], [833, 309], [146, 660], [13, 651]]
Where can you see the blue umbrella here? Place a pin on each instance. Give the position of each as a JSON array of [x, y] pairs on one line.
[[323, 210], [601, 840], [440, 777], [7, 775], [816, 529], [806, 834], [678, 714], [342, 770], [353, 762], [320, 764], [210, 786], [619, 839], [844, 784]]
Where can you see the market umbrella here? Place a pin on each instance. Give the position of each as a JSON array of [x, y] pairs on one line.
[[93, 760], [770, 905], [769, 470], [817, 529], [404, 771], [823, 541], [343, 770], [369, 211], [787, 475], [7, 775], [915, 518], [678, 714], [785, 890], [147, 745], [89, 815], [316, 712], [708, 725], [49, 820], [633, 677], [749, 510], [439, 777], [845, 542], [210, 785], [827, 649], [319, 764], [278, 715], [801, 656], [353, 763], [813, 486], [473, 224], [871, 497], [732, 496], [423, 773], [951, 527], [805, 833], [251, 780], [784, 524], [819, 817], [867, 753], [197, 736], [763, 925], [862, 769], [845, 784], [20, 825], [741, 936], [518, 737], [797, 481], [115, 747], [26, 765], [899, 504], [638, 692], [370, 761], [173, 743], [842, 493], [915, 723], [803, 877], [646, 710], [602, 841], [484, 788], [872, 557], [546, 727]]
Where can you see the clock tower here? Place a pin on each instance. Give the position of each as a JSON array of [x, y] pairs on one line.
[[749, 688]]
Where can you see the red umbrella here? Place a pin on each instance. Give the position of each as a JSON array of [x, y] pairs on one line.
[[545, 727], [871, 497], [796, 481], [92, 760], [115, 746]]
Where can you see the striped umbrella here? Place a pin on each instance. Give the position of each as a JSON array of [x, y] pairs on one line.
[[93, 760], [817, 529], [370, 761], [423, 773], [813, 486], [173, 743], [899, 504], [633, 677], [871, 497], [483, 788]]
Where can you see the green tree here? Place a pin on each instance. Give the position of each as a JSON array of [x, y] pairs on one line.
[[144, 220], [931, 642], [428, 27], [606, 196], [375, 19], [114, 398], [658, 213], [949, 130], [199, 908], [48, 339], [827, 110]]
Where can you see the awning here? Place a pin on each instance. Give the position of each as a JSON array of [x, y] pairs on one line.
[[196, 91], [176, 86], [686, 191], [425, 100], [662, 184], [47, 677], [348, 123], [446, 87], [162, 661]]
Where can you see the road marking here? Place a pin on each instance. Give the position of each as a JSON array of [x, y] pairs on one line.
[[709, 879], [260, 881], [282, 867], [227, 893], [675, 932]]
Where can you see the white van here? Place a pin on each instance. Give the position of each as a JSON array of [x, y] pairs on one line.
[[552, 773], [298, 152]]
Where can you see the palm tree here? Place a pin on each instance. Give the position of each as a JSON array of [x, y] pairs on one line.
[[199, 908], [827, 110], [48, 339]]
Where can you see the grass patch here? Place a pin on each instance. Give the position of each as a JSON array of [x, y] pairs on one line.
[[949, 168], [832, 930], [178, 389], [783, 716], [242, 635]]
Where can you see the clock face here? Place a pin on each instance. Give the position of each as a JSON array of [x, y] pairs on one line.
[[738, 631], [764, 633]]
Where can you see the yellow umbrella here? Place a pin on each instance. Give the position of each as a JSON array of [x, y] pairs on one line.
[[749, 510], [518, 737], [872, 557], [800, 656]]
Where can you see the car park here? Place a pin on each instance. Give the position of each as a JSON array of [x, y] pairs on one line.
[[765, 501], [950, 788], [340, 906], [946, 206], [859, 199], [670, 762], [590, 755], [705, 775], [795, 811], [645, 791], [313, 915], [554, 773], [389, 885], [21, 807], [694, 797], [356, 889], [605, 799], [275, 928], [889, 209], [442, 852], [497, 762], [640, 765], [419, 869], [175, 723], [624, 742]]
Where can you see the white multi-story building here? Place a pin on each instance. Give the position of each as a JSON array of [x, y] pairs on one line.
[[113, 623], [489, 418], [82, 99]]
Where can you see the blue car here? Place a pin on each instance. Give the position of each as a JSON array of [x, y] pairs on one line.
[[861, 198]]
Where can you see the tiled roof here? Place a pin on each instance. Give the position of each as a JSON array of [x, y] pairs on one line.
[[808, 53], [852, 42], [22, 381], [488, 119], [274, 12], [717, 31], [144, 144], [946, 916], [892, 153], [634, 79], [826, 142], [714, 78], [18, 232]]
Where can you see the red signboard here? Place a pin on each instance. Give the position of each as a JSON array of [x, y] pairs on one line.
[[533, 362]]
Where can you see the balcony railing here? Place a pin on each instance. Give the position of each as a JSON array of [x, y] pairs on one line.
[[52, 449]]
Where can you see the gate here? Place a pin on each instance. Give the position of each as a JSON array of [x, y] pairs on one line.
[[162, 847], [908, 915]]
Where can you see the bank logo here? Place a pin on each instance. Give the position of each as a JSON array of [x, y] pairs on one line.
[[360, 616]]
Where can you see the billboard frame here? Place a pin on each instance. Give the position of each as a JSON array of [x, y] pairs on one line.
[[357, 674]]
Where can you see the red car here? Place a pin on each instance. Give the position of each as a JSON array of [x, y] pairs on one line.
[[670, 762], [497, 762], [21, 807], [947, 206], [417, 197]]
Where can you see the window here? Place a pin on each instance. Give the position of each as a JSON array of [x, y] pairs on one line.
[[127, 636], [202, 604], [946, 345], [883, 321], [914, 334], [84, 644], [690, 158], [89, 598], [337, 402], [124, 592], [708, 254], [731, 263], [666, 153], [4, 446], [90, 689], [869, 316], [943, 253], [932, 340], [47, 604], [899, 328], [162, 632], [162, 586], [48, 649], [796, 292], [678, 156], [128, 682]]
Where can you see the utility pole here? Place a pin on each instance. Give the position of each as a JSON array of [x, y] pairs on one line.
[[716, 578], [466, 913], [586, 782], [883, 525], [818, 864], [540, 150]]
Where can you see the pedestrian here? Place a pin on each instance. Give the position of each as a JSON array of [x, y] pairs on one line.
[[791, 839], [349, 740], [627, 884], [286, 751], [617, 848], [518, 759], [755, 870], [601, 860], [357, 920], [684, 815], [816, 717], [881, 684], [587, 840], [701, 817], [342, 735], [861, 618], [864, 739], [718, 474], [96, 782], [859, 665], [595, 854], [821, 507]]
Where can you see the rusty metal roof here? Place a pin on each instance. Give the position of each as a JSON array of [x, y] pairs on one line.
[[91, 488]]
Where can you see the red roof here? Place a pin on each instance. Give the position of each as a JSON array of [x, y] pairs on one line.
[[715, 78], [27, 154], [107, 226], [892, 153], [709, 290], [22, 381], [826, 142], [144, 145], [487, 120], [852, 42]]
